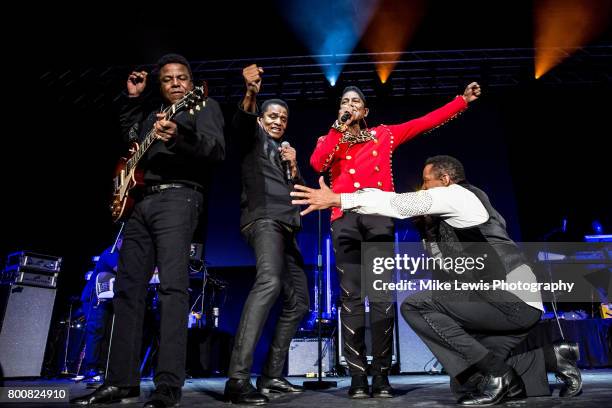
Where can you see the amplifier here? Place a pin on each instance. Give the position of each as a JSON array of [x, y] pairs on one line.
[[43, 280], [25, 318], [30, 260], [415, 356], [304, 355], [29, 278]]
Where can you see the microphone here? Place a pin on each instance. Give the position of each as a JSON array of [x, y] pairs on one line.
[[345, 116], [286, 163]]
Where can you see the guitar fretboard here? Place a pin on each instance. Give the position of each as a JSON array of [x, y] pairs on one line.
[[169, 112]]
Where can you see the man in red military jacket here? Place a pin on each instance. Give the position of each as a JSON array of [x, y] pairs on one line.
[[358, 157]]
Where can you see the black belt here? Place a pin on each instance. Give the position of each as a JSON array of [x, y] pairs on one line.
[[161, 187]]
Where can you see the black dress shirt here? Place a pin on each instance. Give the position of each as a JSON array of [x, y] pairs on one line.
[[265, 188], [186, 158]]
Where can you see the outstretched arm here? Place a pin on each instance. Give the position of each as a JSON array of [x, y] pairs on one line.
[[438, 117], [453, 202], [364, 201]]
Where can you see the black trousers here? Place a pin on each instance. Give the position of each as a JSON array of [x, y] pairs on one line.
[[461, 327], [279, 269], [158, 233], [97, 334], [348, 233]]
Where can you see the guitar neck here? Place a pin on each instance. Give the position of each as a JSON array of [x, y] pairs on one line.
[[145, 144], [188, 101], [142, 149]]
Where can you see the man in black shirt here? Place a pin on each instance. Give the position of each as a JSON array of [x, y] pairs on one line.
[[269, 223], [159, 232]]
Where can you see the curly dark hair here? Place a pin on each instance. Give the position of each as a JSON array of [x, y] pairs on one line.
[[173, 59], [443, 164]]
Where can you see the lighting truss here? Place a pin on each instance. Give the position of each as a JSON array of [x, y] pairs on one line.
[[302, 78]]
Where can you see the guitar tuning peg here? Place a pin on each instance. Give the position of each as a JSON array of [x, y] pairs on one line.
[[191, 111], [197, 107]]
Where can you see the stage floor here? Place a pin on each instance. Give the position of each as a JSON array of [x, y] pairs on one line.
[[412, 390]]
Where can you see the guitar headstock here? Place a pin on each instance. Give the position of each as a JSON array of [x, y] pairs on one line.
[[192, 100], [196, 97]]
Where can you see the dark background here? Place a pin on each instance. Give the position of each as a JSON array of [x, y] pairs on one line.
[[542, 153]]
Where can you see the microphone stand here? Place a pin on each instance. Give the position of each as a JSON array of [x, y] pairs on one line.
[[553, 303], [112, 331], [319, 384], [65, 367]]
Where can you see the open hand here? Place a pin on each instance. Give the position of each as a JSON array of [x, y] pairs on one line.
[[316, 199]]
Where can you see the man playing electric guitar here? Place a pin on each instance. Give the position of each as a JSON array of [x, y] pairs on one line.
[[159, 230]]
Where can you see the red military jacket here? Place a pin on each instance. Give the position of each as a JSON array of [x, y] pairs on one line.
[[368, 164]]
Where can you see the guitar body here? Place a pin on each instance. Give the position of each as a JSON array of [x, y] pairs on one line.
[[125, 184]]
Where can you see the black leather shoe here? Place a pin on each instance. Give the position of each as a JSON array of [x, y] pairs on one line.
[[381, 387], [164, 396], [567, 354], [495, 389], [107, 394], [242, 392], [359, 387], [470, 386], [266, 385]]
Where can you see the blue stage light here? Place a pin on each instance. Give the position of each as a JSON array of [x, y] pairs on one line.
[[597, 227], [330, 29]]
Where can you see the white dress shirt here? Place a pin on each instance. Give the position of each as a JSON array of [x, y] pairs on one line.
[[458, 206]]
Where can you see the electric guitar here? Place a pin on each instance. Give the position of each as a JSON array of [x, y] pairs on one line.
[[128, 176]]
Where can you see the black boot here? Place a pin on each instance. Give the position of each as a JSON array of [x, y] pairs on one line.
[[164, 396], [381, 387], [107, 394], [239, 391], [359, 387], [567, 354], [495, 389], [266, 385]]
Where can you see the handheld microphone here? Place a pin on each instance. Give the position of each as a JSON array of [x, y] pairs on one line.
[[345, 116], [286, 163]]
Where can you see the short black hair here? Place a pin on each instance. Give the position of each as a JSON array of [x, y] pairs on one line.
[[173, 59], [280, 102], [356, 90], [447, 165]]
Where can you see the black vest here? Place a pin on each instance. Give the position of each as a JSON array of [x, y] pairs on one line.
[[490, 238]]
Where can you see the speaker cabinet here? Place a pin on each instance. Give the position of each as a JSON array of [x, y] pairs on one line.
[[415, 356], [25, 313]]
